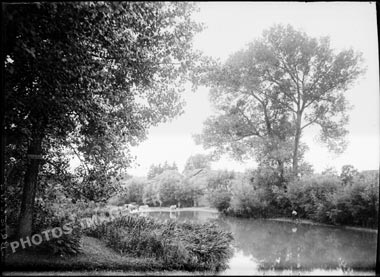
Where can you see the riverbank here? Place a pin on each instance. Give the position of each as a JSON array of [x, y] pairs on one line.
[[96, 259], [134, 243], [317, 272], [310, 222], [187, 209], [282, 219]]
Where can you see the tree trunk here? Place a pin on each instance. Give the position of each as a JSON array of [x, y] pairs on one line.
[[378, 246], [282, 171], [296, 144], [29, 189]]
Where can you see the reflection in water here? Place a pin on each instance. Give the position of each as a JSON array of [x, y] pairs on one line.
[[241, 264], [271, 246]]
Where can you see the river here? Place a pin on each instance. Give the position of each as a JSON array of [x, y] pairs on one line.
[[289, 248]]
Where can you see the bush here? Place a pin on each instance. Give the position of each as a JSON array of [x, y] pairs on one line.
[[118, 200], [326, 199], [322, 198], [49, 215], [168, 184], [220, 199], [247, 206], [133, 190], [219, 186], [357, 204], [248, 201], [187, 246], [68, 243], [312, 197], [150, 194], [259, 193]]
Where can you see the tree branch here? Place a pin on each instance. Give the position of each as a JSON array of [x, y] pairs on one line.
[[78, 156], [310, 122], [255, 132]]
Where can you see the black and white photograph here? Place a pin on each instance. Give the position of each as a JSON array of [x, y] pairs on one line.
[[190, 138]]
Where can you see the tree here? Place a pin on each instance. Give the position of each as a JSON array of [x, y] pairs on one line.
[[134, 189], [188, 193], [168, 183], [268, 93], [219, 187], [91, 77], [195, 183], [156, 170], [198, 161], [330, 171], [348, 173], [150, 194]]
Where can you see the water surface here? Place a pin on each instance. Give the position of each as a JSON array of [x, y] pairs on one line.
[[272, 247]]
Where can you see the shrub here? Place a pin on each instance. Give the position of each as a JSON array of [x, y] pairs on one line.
[[259, 193], [322, 198], [220, 199], [188, 193], [118, 200], [357, 204], [168, 184], [326, 199], [65, 245], [282, 206], [248, 201], [219, 185], [133, 190], [312, 197], [208, 245]]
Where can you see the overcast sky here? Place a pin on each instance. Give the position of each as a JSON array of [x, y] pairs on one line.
[[229, 27]]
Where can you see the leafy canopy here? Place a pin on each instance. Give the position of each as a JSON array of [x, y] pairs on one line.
[[267, 93], [92, 77]]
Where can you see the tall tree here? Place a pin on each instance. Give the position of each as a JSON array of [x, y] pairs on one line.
[[92, 76], [268, 93]]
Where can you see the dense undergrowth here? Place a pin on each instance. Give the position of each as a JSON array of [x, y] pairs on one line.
[[321, 198], [179, 245], [175, 245]]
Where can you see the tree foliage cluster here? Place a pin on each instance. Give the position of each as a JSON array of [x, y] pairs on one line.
[[88, 79], [268, 93], [198, 185]]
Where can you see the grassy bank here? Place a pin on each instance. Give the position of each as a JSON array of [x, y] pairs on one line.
[[178, 245], [95, 259], [134, 243], [95, 255]]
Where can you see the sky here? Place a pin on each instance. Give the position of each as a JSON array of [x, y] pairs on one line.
[[229, 27]]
